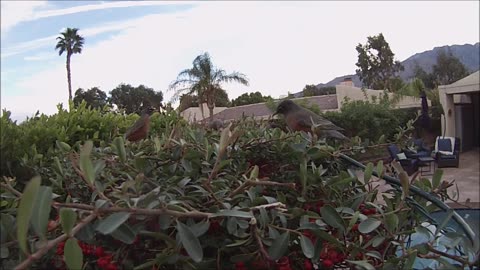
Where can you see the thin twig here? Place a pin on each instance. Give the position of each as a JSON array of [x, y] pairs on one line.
[[11, 189], [52, 243], [254, 231]]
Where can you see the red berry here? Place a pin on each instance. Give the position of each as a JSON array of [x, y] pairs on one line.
[[111, 266], [99, 252], [355, 227], [307, 206], [307, 265], [361, 206], [332, 254], [340, 258], [283, 261], [240, 266], [327, 263], [359, 256], [372, 211], [102, 263], [323, 254]]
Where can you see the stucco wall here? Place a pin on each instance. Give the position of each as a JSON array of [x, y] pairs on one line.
[[193, 114]]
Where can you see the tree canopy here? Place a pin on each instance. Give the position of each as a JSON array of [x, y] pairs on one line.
[[94, 97], [132, 99], [205, 80], [312, 90], [448, 69], [187, 101], [377, 67], [250, 98]]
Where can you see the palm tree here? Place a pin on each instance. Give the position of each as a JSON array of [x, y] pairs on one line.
[[204, 80], [71, 42]]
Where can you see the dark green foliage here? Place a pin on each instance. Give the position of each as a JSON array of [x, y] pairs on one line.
[[187, 100], [250, 98], [448, 69], [312, 90], [376, 64], [370, 119], [132, 99], [94, 97]]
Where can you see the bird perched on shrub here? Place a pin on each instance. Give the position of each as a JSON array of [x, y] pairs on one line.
[[140, 129], [301, 119], [216, 124]]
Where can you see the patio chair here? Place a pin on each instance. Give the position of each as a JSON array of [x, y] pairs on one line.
[[410, 165], [419, 149], [447, 151]]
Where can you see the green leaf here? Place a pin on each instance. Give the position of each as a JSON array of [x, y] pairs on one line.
[[68, 217], [85, 163], [254, 173], [303, 176], [377, 240], [41, 210], [410, 261], [73, 254], [112, 222], [190, 242], [4, 252], [57, 166], [437, 176], [445, 221], [200, 228], [364, 264], [391, 222], [63, 146], [368, 172], [124, 233], [331, 217], [279, 246], [353, 220], [119, 146], [25, 210], [380, 168], [307, 246], [233, 213], [405, 184], [369, 225]]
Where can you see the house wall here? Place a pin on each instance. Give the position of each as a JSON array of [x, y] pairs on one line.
[[193, 114]]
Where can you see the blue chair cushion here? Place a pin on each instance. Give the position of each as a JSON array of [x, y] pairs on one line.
[[444, 145]]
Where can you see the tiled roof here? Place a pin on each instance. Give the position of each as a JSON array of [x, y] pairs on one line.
[[260, 110]]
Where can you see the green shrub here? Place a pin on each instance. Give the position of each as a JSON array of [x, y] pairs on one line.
[[370, 119]]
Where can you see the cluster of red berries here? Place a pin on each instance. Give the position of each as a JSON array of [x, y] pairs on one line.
[[215, 227], [315, 207], [104, 259], [330, 257], [367, 211]]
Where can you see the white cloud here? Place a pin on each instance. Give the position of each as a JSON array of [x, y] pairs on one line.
[[14, 12], [280, 46]]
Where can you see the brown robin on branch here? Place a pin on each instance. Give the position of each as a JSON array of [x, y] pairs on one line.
[[140, 129], [301, 119]]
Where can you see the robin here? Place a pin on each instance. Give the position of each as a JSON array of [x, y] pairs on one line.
[[139, 130], [216, 124], [301, 119]]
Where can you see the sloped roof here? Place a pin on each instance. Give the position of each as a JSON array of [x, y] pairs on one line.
[[260, 110], [471, 83]]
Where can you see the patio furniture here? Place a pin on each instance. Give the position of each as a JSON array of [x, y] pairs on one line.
[[410, 165], [426, 162], [419, 149], [447, 151]]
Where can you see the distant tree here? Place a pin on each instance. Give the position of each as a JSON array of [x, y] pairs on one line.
[[377, 67], [312, 90], [448, 69], [71, 42], [250, 98], [94, 97], [205, 80], [428, 79], [131, 99], [187, 101]]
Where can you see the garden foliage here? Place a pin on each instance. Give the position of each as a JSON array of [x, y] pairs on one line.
[[248, 197]]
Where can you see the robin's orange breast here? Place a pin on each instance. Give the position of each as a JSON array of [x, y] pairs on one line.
[[140, 132], [295, 124]]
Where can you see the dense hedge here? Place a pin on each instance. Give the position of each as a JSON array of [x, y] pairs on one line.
[[248, 197]]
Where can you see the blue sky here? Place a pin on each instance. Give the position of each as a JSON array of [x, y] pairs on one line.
[[280, 46]]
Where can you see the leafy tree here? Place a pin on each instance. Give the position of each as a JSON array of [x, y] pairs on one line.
[[250, 98], [428, 79], [70, 42], [132, 99], [205, 80], [377, 67], [312, 90], [94, 97], [448, 69], [187, 101]]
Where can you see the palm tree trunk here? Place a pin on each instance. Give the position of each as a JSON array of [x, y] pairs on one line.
[[69, 77]]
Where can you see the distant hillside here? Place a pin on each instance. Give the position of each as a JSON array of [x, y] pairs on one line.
[[468, 54]]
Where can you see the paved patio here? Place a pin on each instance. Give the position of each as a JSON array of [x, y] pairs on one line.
[[466, 176]]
